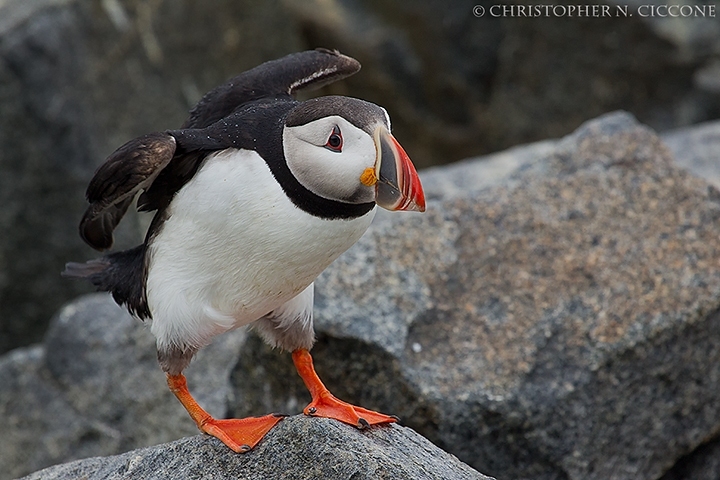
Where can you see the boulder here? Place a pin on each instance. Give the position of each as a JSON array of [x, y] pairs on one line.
[[299, 447], [696, 149]]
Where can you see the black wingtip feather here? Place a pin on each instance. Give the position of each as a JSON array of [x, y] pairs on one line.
[[96, 229], [129, 169]]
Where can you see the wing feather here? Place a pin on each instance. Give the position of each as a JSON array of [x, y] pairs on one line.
[[131, 168], [277, 78]]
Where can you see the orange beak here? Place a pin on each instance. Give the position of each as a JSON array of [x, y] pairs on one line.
[[398, 185]]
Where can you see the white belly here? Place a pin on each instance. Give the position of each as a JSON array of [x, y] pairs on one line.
[[235, 248]]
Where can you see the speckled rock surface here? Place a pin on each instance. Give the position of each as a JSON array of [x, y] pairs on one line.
[[560, 324], [299, 447]]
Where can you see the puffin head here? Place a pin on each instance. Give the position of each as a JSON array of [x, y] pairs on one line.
[[340, 148]]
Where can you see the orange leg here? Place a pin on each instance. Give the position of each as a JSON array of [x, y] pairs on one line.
[[324, 404], [241, 435]]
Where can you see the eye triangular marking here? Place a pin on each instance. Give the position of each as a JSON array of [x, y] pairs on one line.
[[335, 140]]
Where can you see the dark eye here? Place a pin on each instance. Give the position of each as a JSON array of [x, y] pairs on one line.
[[335, 141]]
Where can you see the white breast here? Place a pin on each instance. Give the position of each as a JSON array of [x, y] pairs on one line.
[[235, 248]]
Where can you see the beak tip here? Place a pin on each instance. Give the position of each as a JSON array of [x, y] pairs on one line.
[[417, 202]]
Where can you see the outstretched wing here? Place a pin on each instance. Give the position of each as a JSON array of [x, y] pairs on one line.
[[277, 78], [152, 160], [129, 169]]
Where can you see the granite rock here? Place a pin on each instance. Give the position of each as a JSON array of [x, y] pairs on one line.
[[299, 447]]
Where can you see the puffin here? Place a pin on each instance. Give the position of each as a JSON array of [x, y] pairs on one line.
[[254, 196]]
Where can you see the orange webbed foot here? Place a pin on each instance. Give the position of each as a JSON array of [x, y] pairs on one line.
[[324, 404], [328, 406], [240, 435]]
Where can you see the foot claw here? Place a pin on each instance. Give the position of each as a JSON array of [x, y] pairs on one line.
[[362, 423]]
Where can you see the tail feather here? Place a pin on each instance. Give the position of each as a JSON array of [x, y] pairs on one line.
[[122, 274], [87, 270]]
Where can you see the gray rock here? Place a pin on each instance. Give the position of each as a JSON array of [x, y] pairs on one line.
[[556, 324], [693, 148], [299, 447], [696, 149], [115, 358], [40, 427], [469, 177]]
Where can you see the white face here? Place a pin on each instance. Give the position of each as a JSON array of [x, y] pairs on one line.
[[328, 156]]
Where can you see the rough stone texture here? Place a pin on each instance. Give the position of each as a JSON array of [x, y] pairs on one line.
[[559, 325], [94, 388], [299, 447], [77, 79]]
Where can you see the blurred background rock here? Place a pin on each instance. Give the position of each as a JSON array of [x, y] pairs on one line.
[[79, 78]]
